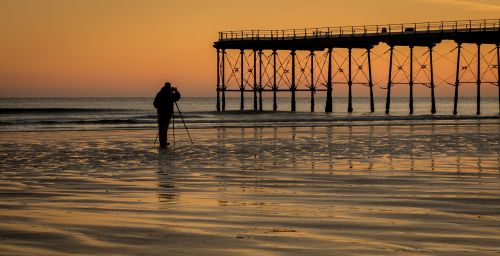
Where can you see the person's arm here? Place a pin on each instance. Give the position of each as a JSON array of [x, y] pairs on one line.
[[156, 102]]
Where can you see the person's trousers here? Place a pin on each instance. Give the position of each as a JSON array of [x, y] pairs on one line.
[[163, 123]]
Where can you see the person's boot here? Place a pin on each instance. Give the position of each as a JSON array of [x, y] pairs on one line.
[[164, 144]]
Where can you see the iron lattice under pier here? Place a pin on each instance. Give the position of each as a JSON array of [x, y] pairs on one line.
[[316, 59]]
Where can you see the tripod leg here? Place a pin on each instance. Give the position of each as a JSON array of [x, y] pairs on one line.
[[182, 118], [173, 127], [158, 133]]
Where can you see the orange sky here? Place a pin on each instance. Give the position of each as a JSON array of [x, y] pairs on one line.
[[128, 48]]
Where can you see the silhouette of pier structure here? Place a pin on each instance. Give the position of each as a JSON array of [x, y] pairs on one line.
[[317, 59]]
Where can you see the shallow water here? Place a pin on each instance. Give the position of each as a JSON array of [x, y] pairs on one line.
[[41, 114], [372, 190]]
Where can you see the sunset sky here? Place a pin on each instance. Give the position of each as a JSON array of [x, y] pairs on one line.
[[129, 48]]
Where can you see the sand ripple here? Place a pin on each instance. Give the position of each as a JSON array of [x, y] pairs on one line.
[[371, 190]]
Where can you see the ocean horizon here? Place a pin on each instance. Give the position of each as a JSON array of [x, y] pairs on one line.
[[70, 113]]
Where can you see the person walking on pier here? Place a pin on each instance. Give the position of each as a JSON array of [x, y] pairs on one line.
[[164, 104]]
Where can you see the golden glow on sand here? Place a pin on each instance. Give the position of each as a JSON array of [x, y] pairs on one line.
[[371, 190]]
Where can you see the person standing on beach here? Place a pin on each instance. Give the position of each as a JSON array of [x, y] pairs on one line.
[[164, 104]]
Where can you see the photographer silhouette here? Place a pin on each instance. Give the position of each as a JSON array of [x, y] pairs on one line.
[[164, 104]]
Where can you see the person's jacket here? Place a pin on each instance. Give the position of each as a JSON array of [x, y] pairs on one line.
[[164, 101]]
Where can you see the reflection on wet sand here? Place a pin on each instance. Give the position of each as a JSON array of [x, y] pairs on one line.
[[400, 148], [166, 183], [386, 190]]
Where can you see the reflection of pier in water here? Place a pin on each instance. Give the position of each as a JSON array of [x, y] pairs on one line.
[[351, 149], [316, 59], [367, 148], [265, 157]]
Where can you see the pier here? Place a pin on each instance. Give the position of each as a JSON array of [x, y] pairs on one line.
[[317, 59]]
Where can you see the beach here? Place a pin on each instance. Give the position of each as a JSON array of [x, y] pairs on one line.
[[430, 189]]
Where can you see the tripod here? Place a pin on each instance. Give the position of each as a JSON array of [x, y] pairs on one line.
[[173, 127]]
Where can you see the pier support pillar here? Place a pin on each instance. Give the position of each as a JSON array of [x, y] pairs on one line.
[[312, 81], [328, 106], [254, 79], [242, 80], [218, 79], [433, 97], [478, 94], [389, 83], [349, 82], [260, 80], [275, 86], [457, 80], [370, 80], [411, 81], [293, 87], [223, 80]]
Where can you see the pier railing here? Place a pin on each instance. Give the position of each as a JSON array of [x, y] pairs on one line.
[[367, 30]]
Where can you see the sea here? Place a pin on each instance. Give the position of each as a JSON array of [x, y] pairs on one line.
[[35, 114]]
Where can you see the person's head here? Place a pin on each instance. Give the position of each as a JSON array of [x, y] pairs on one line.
[[167, 86]]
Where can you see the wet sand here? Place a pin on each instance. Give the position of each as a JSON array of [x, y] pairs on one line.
[[361, 190]]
